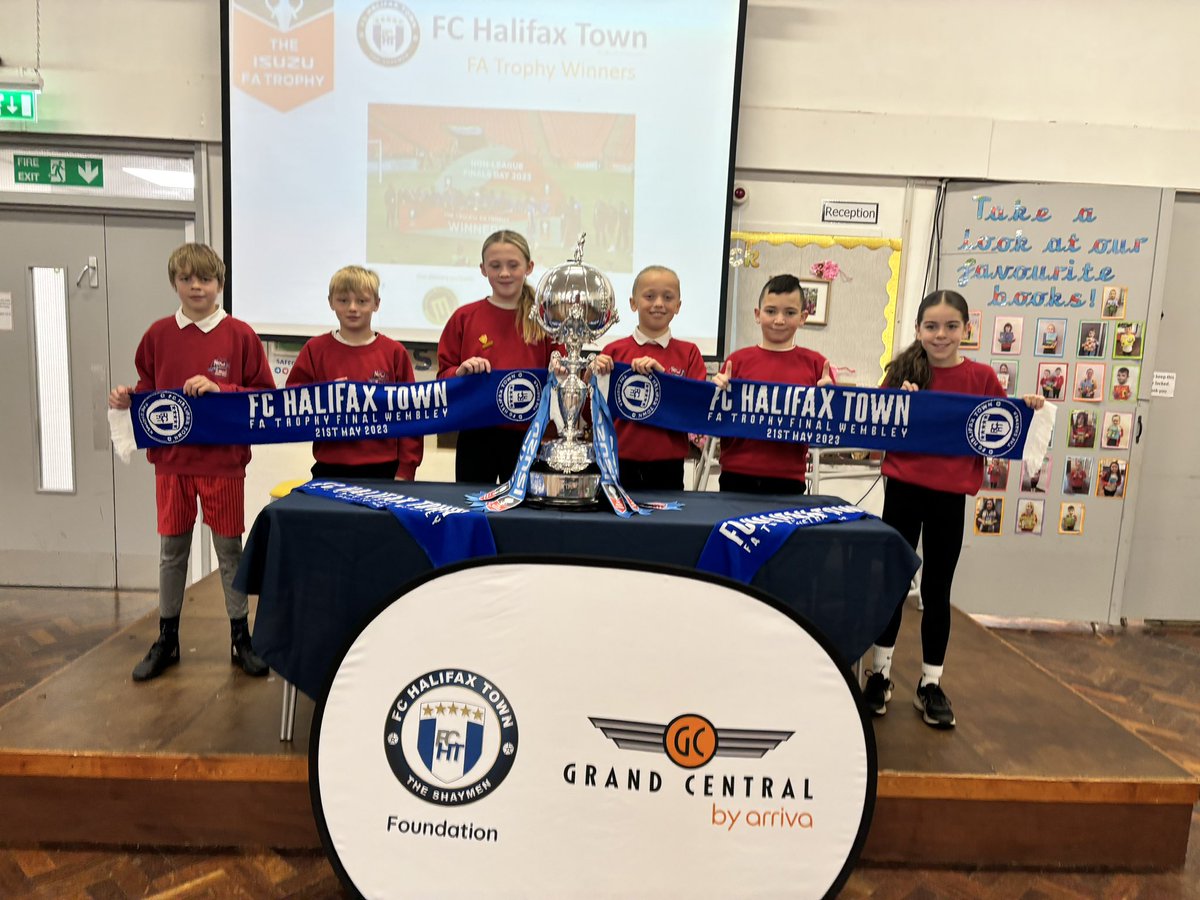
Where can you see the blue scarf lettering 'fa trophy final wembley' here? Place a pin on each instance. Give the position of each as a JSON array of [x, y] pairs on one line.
[[575, 305]]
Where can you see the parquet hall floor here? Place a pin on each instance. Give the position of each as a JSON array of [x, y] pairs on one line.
[[1148, 679]]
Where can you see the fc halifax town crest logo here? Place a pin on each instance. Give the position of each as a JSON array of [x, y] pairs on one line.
[[517, 395], [638, 395], [450, 737], [993, 428], [165, 417]]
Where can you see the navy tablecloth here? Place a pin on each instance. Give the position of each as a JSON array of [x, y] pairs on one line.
[[322, 567]]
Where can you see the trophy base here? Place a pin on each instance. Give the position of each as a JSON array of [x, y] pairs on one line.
[[564, 490]]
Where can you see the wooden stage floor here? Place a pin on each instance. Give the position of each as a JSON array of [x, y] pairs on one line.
[[1034, 775]]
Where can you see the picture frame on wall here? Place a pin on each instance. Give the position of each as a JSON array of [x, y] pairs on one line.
[[1089, 382], [970, 339], [1030, 514], [1115, 299], [995, 474], [1116, 430], [1006, 373], [1128, 341], [1125, 380], [1051, 379], [1007, 336], [1111, 477], [815, 295], [1070, 518], [1051, 337], [1036, 480], [1092, 338], [1077, 475], [989, 514]]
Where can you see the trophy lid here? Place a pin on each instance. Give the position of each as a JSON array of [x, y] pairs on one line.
[[575, 291]]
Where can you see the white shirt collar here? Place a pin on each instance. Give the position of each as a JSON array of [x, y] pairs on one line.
[[643, 339], [207, 324], [337, 336]]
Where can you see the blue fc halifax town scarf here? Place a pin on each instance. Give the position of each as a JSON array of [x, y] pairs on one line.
[[737, 548], [861, 418], [336, 410], [446, 533]]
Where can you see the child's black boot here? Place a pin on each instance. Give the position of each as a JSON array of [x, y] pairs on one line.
[[241, 653], [163, 653]]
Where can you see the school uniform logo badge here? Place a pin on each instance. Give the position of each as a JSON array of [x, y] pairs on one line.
[[165, 417], [994, 428], [219, 368], [517, 395], [388, 33], [451, 737], [637, 395]]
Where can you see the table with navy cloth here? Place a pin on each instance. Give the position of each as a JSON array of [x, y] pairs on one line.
[[321, 567]]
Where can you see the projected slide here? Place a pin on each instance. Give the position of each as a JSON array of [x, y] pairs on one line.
[[399, 134], [443, 179]]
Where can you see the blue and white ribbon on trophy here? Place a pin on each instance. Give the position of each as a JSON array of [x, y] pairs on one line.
[[604, 446], [513, 491]]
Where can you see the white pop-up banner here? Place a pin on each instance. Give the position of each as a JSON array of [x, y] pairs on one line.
[[517, 728]]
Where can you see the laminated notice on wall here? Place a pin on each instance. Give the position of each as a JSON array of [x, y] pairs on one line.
[[6, 322], [1162, 386]]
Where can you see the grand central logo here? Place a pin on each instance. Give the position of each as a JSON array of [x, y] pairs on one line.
[[691, 741]]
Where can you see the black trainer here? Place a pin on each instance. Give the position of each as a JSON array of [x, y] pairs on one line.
[[241, 652], [934, 705], [877, 692], [163, 653]]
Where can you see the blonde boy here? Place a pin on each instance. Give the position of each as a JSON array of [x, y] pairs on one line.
[[354, 352]]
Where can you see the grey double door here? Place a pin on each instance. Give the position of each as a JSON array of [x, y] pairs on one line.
[[77, 290]]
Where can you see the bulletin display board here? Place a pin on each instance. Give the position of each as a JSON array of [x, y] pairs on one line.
[[854, 323], [1058, 278]]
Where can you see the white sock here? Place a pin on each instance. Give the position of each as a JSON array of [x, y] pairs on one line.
[[930, 674], [881, 660]]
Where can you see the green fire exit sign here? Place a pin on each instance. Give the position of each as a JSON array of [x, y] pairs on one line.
[[20, 106], [72, 171]]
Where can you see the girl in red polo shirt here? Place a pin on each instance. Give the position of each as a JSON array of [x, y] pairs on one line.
[[926, 493], [494, 333]]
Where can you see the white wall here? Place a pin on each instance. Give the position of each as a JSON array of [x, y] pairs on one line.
[[1025, 89], [130, 68], [1098, 92], [882, 91]]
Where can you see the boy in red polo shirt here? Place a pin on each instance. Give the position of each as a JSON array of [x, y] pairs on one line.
[[652, 458], [198, 350], [772, 467], [353, 352]]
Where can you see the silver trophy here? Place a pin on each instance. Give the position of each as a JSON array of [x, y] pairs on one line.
[[575, 305]]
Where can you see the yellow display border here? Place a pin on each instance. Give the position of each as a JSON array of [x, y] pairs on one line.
[[849, 243]]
